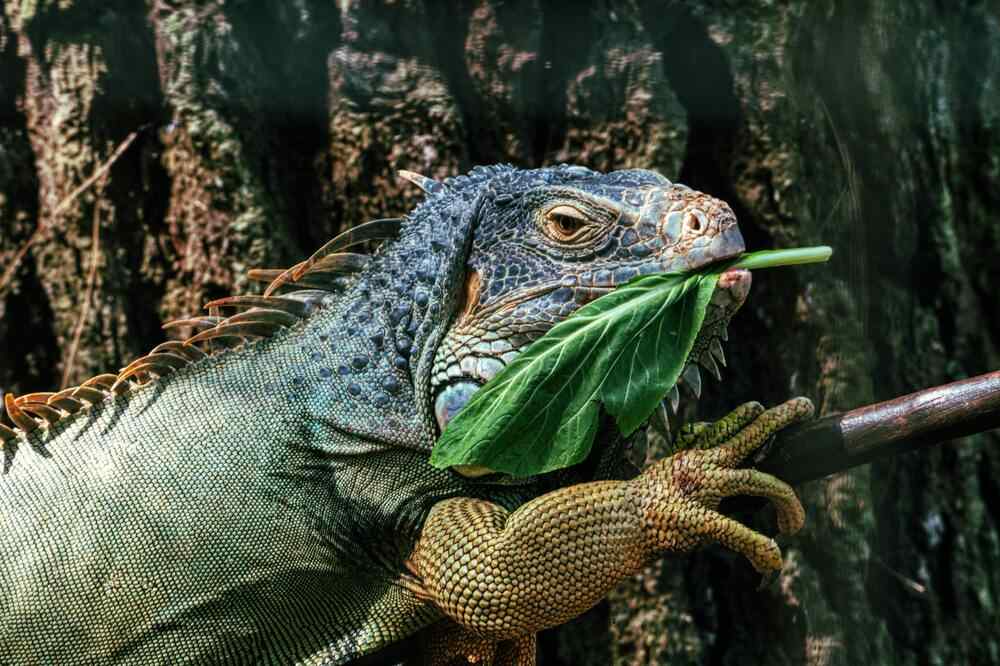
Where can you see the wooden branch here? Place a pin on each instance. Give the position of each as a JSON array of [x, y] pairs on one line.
[[838, 442]]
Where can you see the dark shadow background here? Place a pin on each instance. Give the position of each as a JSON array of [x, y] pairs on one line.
[[266, 126]]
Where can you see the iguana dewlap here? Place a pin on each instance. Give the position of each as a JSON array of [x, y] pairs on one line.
[[261, 492]]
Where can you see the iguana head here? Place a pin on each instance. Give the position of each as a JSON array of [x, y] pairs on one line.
[[545, 242]]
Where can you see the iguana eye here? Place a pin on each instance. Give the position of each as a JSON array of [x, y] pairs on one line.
[[565, 223]]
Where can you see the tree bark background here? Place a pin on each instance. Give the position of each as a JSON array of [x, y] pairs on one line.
[[263, 127]]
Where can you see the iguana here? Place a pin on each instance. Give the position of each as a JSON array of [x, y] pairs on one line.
[[260, 492]]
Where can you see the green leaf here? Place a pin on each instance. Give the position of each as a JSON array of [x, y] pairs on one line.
[[624, 350]]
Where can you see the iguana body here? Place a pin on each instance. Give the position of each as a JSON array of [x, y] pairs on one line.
[[273, 503]]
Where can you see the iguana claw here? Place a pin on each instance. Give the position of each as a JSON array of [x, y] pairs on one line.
[[766, 579]]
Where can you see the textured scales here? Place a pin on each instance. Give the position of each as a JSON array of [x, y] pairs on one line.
[[266, 497]]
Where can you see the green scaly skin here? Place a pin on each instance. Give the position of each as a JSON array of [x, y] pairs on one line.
[[264, 504]]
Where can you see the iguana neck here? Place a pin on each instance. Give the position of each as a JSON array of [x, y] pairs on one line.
[[371, 349]]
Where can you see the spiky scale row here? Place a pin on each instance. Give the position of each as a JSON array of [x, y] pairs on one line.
[[17, 415], [240, 330], [91, 395], [159, 359], [428, 185], [716, 348], [41, 410], [194, 322], [104, 381], [343, 262], [297, 308], [707, 362], [675, 398], [692, 379], [41, 397], [6, 435], [264, 316], [159, 363], [373, 230], [179, 349], [65, 401], [313, 279], [265, 275]]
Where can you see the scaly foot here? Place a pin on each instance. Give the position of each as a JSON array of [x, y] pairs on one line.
[[679, 495]]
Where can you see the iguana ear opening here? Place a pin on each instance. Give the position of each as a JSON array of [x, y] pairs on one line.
[[470, 295]]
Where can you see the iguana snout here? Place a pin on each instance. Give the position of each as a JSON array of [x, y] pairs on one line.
[[547, 242], [695, 228]]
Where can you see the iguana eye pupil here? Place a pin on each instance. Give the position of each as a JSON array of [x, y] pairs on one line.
[[567, 225], [564, 223]]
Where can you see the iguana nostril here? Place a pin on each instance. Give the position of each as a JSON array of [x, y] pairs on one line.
[[692, 222]]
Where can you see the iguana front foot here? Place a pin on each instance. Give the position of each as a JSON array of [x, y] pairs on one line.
[[504, 576], [680, 495]]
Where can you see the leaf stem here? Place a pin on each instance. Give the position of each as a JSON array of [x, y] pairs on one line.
[[772, 258]]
